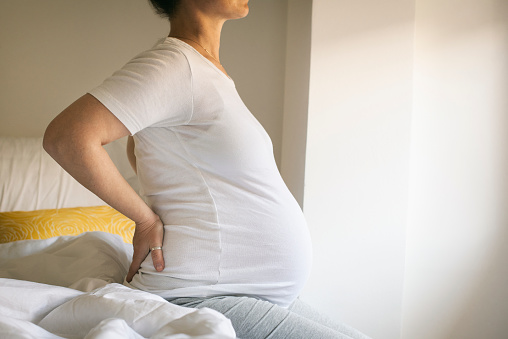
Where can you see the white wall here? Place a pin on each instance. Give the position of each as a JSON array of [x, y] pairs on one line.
[[356, 175], [456, 283]]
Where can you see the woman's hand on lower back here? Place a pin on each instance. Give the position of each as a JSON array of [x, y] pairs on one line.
[[147, 235], [75, 139]]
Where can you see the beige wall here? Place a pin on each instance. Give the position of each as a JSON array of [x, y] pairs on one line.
[[53, 51], [296, 96]]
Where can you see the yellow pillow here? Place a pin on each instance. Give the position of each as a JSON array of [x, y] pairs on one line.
[[43, 224]]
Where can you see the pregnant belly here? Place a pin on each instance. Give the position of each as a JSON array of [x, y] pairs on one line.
[[273, 255]]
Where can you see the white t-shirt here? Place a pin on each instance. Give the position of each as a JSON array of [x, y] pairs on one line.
[[206, 167]]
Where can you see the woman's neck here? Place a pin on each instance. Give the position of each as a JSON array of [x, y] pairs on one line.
[[203, 30]]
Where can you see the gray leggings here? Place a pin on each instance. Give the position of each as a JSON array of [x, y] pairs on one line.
[[253, 318]]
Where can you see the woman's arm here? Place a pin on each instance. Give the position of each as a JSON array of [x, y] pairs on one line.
[[75, 139]]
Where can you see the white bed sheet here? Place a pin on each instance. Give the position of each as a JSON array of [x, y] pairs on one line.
[[71, 287]]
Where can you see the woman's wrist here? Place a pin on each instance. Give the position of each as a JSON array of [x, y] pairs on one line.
[[147, 222]]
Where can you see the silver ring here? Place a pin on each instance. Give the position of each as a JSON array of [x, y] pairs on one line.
[[156, 248]]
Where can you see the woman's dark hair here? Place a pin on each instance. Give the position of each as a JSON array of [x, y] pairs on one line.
[[165, 8]]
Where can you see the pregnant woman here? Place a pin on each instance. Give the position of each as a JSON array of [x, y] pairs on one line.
[[220, 229]]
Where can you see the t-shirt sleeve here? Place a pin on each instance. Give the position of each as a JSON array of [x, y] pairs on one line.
[[153, 89]]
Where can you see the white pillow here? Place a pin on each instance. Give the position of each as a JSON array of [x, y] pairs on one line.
[[31, 180]]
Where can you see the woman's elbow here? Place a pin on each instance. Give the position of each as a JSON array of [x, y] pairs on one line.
[[52, 140], [61, 139], [82, 126]]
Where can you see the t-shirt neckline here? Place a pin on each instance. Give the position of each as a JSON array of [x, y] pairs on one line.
[[203, 57]]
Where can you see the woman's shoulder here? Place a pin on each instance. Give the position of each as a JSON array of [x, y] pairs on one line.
[[163, 57], [163, 49]]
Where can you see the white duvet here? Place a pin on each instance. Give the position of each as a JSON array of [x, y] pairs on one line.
[[70, 287]]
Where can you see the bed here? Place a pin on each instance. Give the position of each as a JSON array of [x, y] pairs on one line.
[[64, 254]]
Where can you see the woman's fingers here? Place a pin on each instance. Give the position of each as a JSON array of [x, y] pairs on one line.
[[158, 258], [137, 259], [157, 240], [146, 238]]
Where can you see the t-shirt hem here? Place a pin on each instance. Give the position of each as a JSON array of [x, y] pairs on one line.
[[214, 290], [115, 107]]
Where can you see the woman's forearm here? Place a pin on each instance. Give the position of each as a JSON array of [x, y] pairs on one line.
[[91, 166], [75, 139]]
